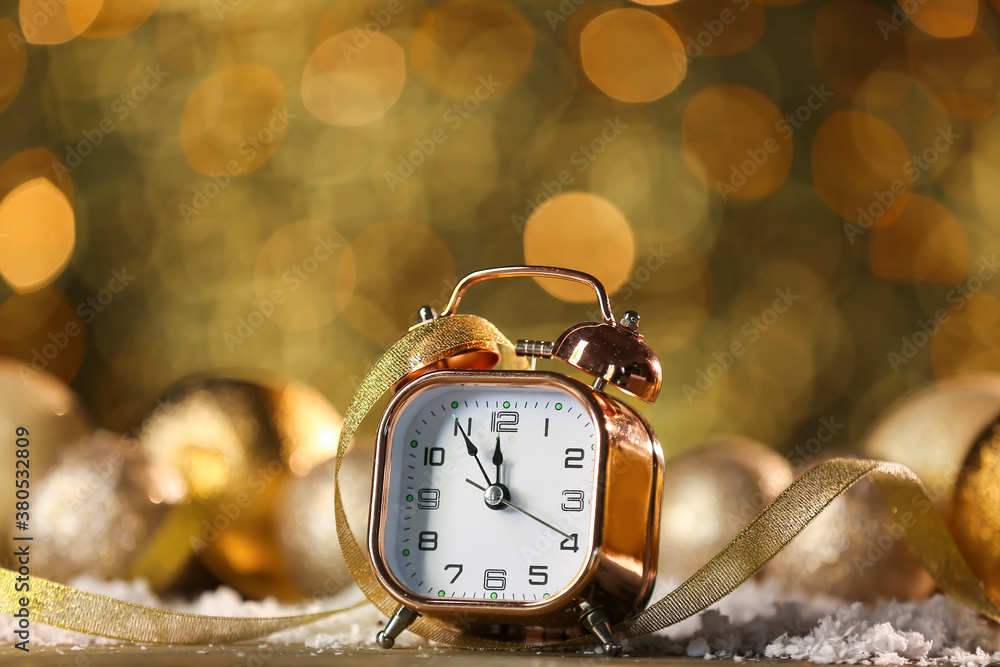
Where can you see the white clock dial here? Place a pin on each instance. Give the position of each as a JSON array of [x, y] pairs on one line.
[[443, 540]]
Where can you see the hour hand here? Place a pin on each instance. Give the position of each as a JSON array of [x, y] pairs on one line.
[[471, 448], [498, 458]]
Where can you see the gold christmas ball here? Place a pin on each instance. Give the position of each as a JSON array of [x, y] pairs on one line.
[[854, 550], [91, 513], [53, 416], [930, 431], [709, 495], [976, 509], [229, 446], [309, 544]]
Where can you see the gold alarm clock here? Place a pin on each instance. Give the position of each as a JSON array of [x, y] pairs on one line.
[[521, 505]]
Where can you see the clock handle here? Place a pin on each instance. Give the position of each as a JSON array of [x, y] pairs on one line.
[[534, 272]]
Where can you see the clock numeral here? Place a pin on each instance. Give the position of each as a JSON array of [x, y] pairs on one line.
[[573, 457], [495, 580], [546, 427], [468, 428], [433, 456], [574, 500], [504, 422], [428, 499], [428, 541], [538, 575], [569, 544], [458, 574]]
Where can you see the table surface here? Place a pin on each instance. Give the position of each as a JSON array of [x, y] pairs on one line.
[[253, 655]]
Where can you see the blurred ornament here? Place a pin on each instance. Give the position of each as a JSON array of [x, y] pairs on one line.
[[53, 415], [976, 514], [230, 445], [930, 430], [308, 541], [854, 550], [709, 495], [92, 513]]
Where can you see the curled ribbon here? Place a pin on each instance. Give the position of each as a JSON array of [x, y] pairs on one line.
[[804, 499]]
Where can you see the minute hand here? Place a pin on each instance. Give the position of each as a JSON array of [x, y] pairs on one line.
[[471, 448], [523, 511]]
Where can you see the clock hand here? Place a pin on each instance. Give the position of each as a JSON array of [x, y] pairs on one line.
[[471, 448], [522, 511], [497, 458]]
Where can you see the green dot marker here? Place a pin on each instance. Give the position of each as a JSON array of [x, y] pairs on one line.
[[409, 498], [545, 595], [493, 596], [454, 404], [406, 552], [413, 443], [440, 594], [558, 406], [506, 404]]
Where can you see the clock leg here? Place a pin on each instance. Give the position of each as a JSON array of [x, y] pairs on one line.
[[399, 622], [595, 621]]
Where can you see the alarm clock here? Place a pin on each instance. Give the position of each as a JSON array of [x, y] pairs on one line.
[[521, 505]]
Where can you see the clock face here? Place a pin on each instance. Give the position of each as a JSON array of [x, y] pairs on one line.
[[490, 494]]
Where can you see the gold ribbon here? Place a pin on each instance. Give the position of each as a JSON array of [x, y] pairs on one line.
[[923, 528]]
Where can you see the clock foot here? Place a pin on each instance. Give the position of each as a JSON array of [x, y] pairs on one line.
[[595, 621], [399, 622]]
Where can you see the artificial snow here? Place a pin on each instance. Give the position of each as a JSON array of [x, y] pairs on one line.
[[758, 620]]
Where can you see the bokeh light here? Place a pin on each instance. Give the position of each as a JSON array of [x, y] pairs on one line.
[[633, 55], [945, 18], [234, 121], [13, 63], [472, 47], [959, 75], [858, 56], [297, 275], [119, 17], [44, 333], [35, 163], [377, 309], [862, 168], [925, 243], [735, 143], [719, 27], [353, 84], [44, 22], [37, 234], [580, 231]]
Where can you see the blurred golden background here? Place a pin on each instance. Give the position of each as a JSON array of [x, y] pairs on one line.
[[799, 198]]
